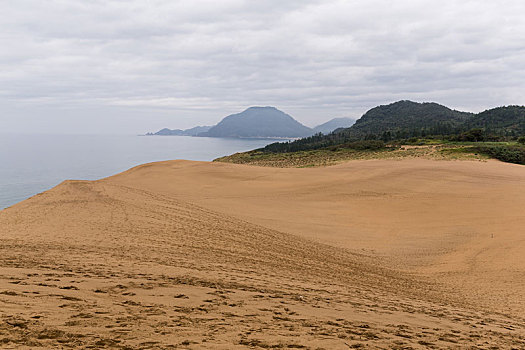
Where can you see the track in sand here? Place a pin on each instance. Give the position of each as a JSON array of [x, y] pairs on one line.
[[378, 254]]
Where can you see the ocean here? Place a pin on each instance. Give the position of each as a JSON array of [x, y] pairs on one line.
[[30, 164]]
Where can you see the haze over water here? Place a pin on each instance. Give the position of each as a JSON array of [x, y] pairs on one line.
[[30, 164]]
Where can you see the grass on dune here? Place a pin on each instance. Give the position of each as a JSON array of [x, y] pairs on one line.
[[415, 148]]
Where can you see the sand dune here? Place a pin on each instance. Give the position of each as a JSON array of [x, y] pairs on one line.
[[179, 254]]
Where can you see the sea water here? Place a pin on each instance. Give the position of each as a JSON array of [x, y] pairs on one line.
[[30, 164]]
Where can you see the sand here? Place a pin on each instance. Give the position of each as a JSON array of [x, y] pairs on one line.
[[378, 254]]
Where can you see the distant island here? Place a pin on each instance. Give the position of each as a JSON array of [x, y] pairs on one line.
[[258, 122], [179, 132]]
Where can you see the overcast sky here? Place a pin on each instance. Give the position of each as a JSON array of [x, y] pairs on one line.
[[69, 66]]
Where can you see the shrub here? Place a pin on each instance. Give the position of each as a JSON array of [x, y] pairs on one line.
[[509, 154], [365, 145]]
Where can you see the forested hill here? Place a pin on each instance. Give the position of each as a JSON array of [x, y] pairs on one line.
[[404, 116], [500, 121], [407, 119]]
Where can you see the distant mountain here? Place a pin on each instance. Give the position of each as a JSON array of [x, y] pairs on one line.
[[398, 120], [334, 124], [178, 132], [259, 122]]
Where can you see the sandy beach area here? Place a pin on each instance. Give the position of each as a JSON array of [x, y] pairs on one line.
[[389, 254]]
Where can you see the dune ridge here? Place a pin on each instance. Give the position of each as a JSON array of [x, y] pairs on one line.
[[198, 255]]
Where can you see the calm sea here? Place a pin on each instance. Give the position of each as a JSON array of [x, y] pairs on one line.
[[30, 164]]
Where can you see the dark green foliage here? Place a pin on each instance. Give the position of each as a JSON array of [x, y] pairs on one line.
[[362, 145], [521, 140], [473, 135], [501, 121], [405, 120], [316, 141], [476, 135], [505, 153]]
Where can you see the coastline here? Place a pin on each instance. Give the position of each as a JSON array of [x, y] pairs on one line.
[[27, 170]]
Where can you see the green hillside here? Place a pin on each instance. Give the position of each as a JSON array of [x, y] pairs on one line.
[[502, 121], [406, 119]]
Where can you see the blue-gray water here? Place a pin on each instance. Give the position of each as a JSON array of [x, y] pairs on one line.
[[30, 164]]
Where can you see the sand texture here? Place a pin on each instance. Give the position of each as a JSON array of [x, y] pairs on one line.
[[388, 254]]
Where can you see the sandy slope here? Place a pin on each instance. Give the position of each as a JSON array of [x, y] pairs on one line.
[[182, 254]]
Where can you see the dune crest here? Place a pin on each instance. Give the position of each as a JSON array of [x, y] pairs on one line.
[[186, 254]]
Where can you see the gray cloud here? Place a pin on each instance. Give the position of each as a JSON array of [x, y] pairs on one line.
[[134, 66]]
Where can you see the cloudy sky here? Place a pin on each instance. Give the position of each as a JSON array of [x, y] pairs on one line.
[[76, 66]]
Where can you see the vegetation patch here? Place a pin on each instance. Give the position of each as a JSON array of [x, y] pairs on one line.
[[362, 150], [432, 130], [404, 129], [505, 153]]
